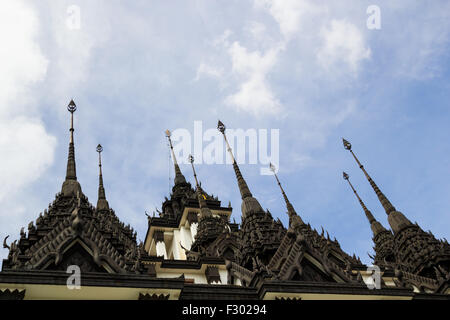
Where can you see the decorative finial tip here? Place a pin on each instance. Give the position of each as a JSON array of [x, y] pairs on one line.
[[191, 158], [347, 145], [168, 133], [72, 107], [99, 148], [345, 175], [221, 126], [272, 167]]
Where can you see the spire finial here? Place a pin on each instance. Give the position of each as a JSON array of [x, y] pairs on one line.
[[290, 207], [179, 178], [204, 210], [243, 188], [191, 160], [387, 205], [71, 184], [102, 204], [72, 107]]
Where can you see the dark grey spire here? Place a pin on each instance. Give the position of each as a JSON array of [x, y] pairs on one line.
[[374, 224], [289, 206], [204, 210], [102, 203], [249, 203], [387, 205], [71, 185], [396, 219], [179, 178]]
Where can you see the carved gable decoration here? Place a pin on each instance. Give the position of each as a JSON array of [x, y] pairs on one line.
[[72, 232], [77, 255]]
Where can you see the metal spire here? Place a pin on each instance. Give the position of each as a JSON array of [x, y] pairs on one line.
[[369, 215], [249, 203], [71, 173], [290, 207], [243, 188], [102, 204], [179, 178], [387, 205], [71, 185], [204, 210]]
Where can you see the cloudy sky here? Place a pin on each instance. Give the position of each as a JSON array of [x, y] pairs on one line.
[[311, 69]]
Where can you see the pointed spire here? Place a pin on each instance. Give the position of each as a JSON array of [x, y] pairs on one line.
[[71, 185], [249, 203], [204, 210], [369, 215], [71, 173], [102, 204], [374, 224], [179, 178], [243, 188], [387, 205], [289, 206]]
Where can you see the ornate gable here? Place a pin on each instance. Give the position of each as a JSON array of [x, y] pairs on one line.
[[61, 238]]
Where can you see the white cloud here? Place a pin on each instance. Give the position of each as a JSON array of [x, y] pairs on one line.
[[254, 94], [288, 13], [208, 70], [25, 146], [21, 60], [421, 49], [27, 151], [257, 30], [222, 40], [72, 48], [342, 43]]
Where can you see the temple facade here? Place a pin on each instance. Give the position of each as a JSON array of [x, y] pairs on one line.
[[192, 250]]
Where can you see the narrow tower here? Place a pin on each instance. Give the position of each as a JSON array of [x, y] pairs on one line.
[[205, 212], [181, 190], [374, 224], [261, 235], [383, 239], [179, 178], [294, 218], [249, 204], [71, 186], [102, 203], [396, 219], [416, 251], [209, 226]]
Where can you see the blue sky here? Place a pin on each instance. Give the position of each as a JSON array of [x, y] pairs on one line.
[[311, 69]]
